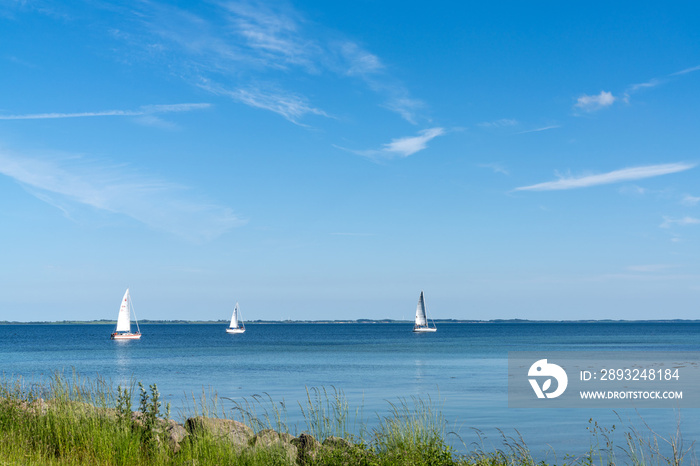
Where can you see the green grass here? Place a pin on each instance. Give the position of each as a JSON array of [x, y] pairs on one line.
[[76, 421]]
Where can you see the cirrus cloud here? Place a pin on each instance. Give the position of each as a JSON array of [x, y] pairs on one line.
[[401, 147], [592, 103], [683, 221], [404, 147], [73, 181], [616, 176], [144, 110]]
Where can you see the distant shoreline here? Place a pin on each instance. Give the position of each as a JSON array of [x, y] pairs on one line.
[[358, 321]]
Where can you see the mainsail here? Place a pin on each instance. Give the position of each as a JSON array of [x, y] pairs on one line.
[[421, 319], [234, 317], [124, 319]]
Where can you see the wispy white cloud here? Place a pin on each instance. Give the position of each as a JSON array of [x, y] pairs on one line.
[[502, 123], [142, 111], [537, 130], [359, 62], [407, 107], [683, 221], [291, 106], [155, 121], [592, 103], [402, 147], [634, 88], [686, 71], [351, 59], [352, 234], [69, 182], [633, 190], [605, 99], [650, 268], [690, 200], [253, 42], [47, 116], [626, 174], [647, 85], [273, 35], [666, 194], [496, 167]]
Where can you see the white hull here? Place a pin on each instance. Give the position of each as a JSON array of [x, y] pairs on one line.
[[126, 336], [235, 330], [424, 329]]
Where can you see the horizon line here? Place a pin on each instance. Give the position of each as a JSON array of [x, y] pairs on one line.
[[340, 321]]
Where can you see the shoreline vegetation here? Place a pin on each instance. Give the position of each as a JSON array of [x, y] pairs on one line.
[[73, 420], [357, 321]]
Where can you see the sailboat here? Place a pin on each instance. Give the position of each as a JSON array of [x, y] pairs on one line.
[[236, 326], [421, 324], [123, 330]]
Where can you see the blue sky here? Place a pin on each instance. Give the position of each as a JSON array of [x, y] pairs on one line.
[[318, 160]]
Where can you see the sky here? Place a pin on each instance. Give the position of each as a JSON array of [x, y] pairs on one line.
[[329, 160]]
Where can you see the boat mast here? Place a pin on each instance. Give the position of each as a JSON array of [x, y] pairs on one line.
[[131, 310], [241, 324], [425, 306]]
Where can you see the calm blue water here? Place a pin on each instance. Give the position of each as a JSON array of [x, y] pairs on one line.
[[462, 365]]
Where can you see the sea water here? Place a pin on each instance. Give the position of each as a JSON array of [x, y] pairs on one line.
[[462, 369]]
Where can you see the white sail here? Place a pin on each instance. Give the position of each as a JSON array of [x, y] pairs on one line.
[[421, 319], [124, 319], [234, 317], [421, 325]]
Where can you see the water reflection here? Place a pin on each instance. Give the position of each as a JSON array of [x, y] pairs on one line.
[[123, 363], [420, 368]]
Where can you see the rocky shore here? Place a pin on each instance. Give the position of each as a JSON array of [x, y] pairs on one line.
[[168, 434], [300, 450]]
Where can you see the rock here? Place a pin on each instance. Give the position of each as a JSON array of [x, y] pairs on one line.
[[307, 448], [42, 407], [38, 406], [269, 438], [175, 433], [172, 432], [108, 413], [337, 442], [305, 442], [337, 450], [137, 418], [236, 432]]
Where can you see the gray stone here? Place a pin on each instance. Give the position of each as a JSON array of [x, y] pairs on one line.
[[269, 438], [307, 446], [138, 418], [38, 406], [175, 434], [234, 431], [337, 442]]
